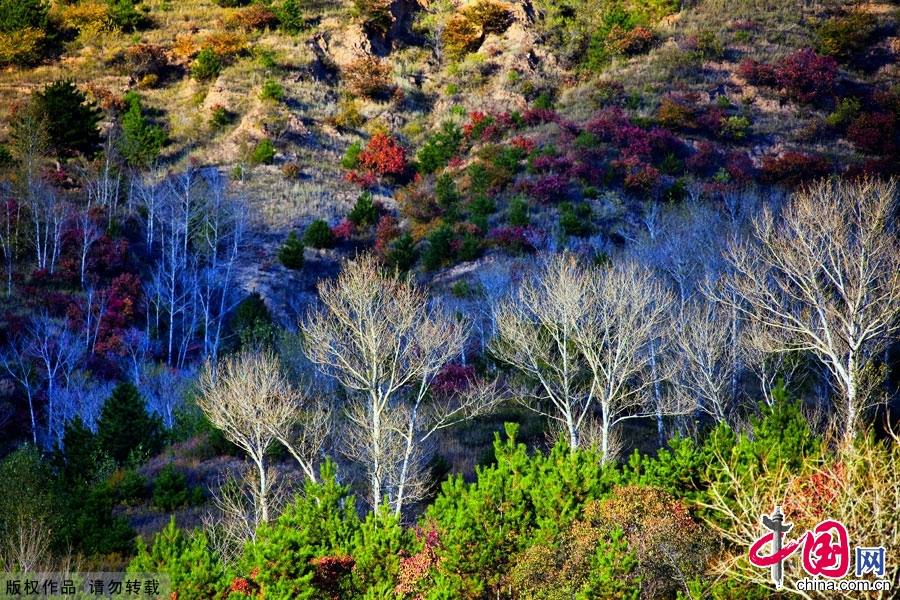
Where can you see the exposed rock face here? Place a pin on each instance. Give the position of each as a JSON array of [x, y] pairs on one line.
[[357, 39]]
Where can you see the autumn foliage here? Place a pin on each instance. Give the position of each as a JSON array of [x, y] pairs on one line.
[[383, 155]]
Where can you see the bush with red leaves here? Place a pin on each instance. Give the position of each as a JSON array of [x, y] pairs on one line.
[[240, 585], [705, 161], [330, 572], [710, 120], [740, 167], [108, 256], [876, 167], [344, 230], [513, 239], [122, 299], [538, 116], [524, 144], [812, 495], [386, 231], [793, 168], [416, 569], [806, 76], [383, 155], [757, 73], [482, 127], [641, 177], [547, 163], [550, 188], [452, 379], [874, 133], [663, 143], [364, 180], [606, 122]]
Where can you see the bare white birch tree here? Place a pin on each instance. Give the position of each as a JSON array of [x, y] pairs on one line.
[[628, 309], [825, 278], [705, 358], [56, 350], [377, 336], [248, 397], [10, 221], [537, 334], [17, 361], [585, 339], [771, 368], [89, 232]]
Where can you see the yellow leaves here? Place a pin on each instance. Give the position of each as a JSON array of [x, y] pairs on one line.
[[87, 18], [20, 47]]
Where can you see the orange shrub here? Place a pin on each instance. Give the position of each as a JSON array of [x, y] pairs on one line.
[[185, 47], [460, 36], [491, 16], [225, 43], [255, 16], [146, 59], [367, 76], [634, 41]]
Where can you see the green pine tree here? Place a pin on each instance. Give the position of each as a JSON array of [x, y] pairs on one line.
[[141, 140], [125, 427], [191, 569], [71, 121], [291, 252]]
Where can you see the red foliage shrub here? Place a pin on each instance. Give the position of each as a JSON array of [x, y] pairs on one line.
[[641, 177], [386, 231], [546, 164], [383, 155], [710, 120], [876, 167], [330, 571], [663, 142], [415, 569], [506, 120], [705, 161], [344, 230], [549, 188], [606, 122], [522, 143], [793, 168], [482, 126], [108, 256], [121, 299], [806, 76], [812, 495], [515, 240], [740, 167], [874, 133], [241, 586], [537, 116], [757, 73], [632, 140], [363, 180], [452, 379]]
